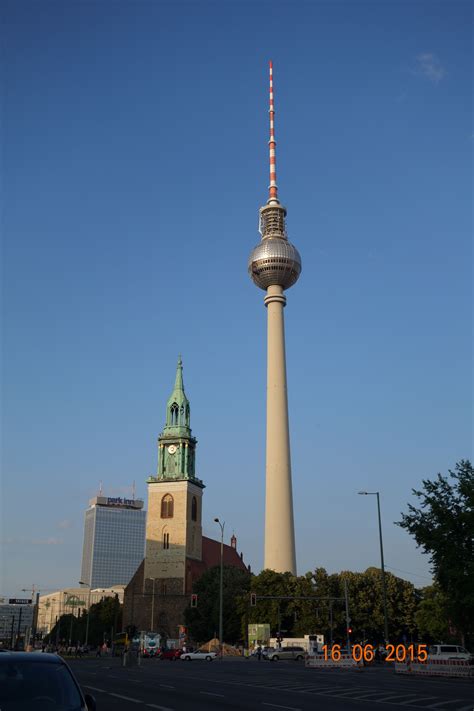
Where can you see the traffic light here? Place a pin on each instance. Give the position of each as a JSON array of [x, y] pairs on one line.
[[253, 599], [194, 600], [349, 630]]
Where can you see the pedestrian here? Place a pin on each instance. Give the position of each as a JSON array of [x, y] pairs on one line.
[[259, 652], [97, 654]]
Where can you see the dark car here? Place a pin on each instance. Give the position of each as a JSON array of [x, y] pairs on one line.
[[40, 681], [171, 654]]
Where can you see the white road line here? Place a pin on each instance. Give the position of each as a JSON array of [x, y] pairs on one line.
[[126, 698], [423, 698], [278, 706], [401, 696], [94, 688], [443, 703], [162, 708], [211, 693], [167, 686]]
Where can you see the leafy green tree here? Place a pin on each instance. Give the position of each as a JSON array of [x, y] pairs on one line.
[[105, 619], [443, 526], [431, 616], [203, 620]]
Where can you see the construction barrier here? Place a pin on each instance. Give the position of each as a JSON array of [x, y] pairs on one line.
[[317, 661], [436, 667]]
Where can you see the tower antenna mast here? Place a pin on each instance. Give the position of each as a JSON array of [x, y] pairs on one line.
[[273, 187]]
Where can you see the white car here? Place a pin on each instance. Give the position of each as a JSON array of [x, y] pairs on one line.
[[190, 656], [449, 651]]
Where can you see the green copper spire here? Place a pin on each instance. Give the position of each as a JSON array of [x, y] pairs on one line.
[[176, 445], [178, 412]]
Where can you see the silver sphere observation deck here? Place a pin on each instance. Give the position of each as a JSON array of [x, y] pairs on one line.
[[275, 261]]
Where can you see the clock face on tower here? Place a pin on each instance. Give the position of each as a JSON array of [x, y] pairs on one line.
[[172, 449]]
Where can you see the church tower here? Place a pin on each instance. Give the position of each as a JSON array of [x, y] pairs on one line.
[[174, 521]]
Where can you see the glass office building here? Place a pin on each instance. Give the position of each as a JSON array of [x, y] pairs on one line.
[[114, 541]]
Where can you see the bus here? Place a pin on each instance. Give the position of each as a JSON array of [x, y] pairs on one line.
[[150, 644]]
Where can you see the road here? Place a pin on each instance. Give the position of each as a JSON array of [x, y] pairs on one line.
[[262, 686]]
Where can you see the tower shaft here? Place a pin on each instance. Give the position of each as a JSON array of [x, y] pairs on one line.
[[274, 266], [279, 525]]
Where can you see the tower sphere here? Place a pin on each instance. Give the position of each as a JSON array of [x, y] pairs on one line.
[[274, 262]]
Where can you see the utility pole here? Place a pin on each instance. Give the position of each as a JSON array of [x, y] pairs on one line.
[[384, 582], [221, 591], [348, 619]]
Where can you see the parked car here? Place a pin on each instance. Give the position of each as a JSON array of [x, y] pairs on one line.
[[43, 682], [190, 656], [296, 653], [449, 651], [171, 654]]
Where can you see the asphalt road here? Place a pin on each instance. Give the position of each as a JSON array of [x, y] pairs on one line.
[[262, 686]]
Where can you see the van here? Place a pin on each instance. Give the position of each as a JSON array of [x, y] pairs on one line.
[[448, 651], [296, 653]]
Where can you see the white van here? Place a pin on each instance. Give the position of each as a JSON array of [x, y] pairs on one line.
[[448, 651]]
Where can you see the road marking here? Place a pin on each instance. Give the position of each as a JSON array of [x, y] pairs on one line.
[[277, 706], [443, 703], [211, 693], [400, 696], [162, 708], [423, 698], [94, 688], [167, 686], [126, 698]]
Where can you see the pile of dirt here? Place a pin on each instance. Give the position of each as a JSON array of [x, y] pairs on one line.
[[213, 646]]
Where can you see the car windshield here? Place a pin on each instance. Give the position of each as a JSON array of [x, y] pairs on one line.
[[41, 686]]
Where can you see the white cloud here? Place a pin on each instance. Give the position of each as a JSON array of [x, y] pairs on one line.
[[429, 66], [51, 541], [65, 524]]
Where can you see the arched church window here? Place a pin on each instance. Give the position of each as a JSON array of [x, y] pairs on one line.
[[181, 415], [194, 509], [166, 541], [167, 506], [174, 413]]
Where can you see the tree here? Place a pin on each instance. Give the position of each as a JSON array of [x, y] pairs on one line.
[[105, 619], [431, 616], [203, 620], [443, 526]]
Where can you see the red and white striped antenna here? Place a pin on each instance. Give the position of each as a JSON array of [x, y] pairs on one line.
[[272, 188]]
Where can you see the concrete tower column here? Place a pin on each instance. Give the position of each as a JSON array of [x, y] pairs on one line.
[[279, 525], [274, 265]]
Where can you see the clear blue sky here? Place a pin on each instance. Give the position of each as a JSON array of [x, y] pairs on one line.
[[134, 162]]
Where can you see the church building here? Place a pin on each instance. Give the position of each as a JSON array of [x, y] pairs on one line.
[[176, 552]]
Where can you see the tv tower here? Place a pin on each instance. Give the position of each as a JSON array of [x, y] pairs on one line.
[[275, 265]]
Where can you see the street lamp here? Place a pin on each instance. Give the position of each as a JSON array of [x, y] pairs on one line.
[[384, 583], [88, 610], [152, 602], [222, 525]]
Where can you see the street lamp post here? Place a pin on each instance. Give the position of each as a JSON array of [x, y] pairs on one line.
[[221, 589], [88, 611], [384, 582], [152, 603]]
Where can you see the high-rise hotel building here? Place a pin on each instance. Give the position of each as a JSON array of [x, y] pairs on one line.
[[114, 541]]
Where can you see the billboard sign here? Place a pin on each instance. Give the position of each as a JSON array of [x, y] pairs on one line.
[[259, 634], [19, 601]]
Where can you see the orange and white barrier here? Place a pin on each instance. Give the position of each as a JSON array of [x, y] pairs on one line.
[[436, 667], [317, 661]]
